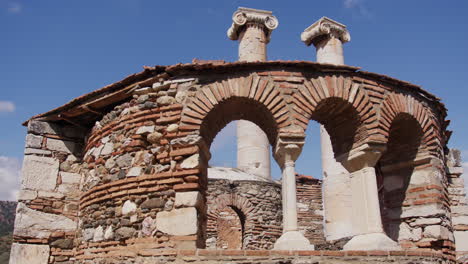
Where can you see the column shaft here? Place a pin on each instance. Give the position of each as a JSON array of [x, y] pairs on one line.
[[252, 43], [366, 209], [289, 198], [253, 149]]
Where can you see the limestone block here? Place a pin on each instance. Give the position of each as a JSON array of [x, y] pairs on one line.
[[47, 194], [462, 209], [408, 233], [145, 130], [148, 226], [88, 234], [29, 254], [129, 207], [27, 195], [178, 222], [456, 170], [172, 128], [293, 240], [165, 100], [32, 223], [460, 220], [191, 162], [38, 127], [188, 199], [33, 141], [107, 149], [61, 145], [461, 240], [98, 234], [154, 138], [436, 231], [109, 234], [29, 151], [135, 171], [39, 173], [185, 141], [422, 210], [425, 221], [70, 178]]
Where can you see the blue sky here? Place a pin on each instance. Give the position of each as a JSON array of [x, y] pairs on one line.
[[53, 51]]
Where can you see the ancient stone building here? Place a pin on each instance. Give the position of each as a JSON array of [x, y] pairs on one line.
[[121, 175]]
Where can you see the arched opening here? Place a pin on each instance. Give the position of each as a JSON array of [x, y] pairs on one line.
[[338, 130], [230, 226], [227, 226], [394, 171]]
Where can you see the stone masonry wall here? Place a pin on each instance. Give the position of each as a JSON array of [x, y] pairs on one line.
[[310, 208], [458, 203], [47, 212], [259, 203]]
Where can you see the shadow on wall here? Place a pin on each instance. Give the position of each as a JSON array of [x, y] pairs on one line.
[[395, 169]]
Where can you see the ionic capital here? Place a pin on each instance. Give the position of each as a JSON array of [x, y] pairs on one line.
[[325, 27], [244, 16]]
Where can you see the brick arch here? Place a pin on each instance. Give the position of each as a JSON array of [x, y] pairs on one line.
[[236, 202], [341, 105], [253, 98], [395, 104]]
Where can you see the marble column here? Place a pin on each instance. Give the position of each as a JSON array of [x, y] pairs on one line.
[[367, 222], [328, 37], [291, 239], [252, 27]]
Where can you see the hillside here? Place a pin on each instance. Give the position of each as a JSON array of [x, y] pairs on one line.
[[7, 220]]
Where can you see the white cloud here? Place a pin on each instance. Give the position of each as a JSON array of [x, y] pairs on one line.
[[14, 8], [10, 175], [7, 106], [358, 7]]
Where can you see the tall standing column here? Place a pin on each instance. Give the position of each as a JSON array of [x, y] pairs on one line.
[[328, 37], [252, 28], [291, 239], [366, 218]]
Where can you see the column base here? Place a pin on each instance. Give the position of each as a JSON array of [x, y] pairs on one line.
[[293, 240], [373, 241]]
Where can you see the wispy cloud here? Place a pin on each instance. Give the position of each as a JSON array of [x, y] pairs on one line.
[[14, 8], [10, 171], [7, 106], [358, 7]]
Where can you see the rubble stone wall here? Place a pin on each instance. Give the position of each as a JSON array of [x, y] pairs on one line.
[[259, 204], [310, 209]]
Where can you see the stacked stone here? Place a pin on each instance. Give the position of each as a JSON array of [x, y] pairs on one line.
[[141, 177], [310, 208], [259, 204], [458, 203], [47, 212]]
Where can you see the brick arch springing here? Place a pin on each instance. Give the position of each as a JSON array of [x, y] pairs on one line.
[[396, 103], [238, 203], [252, 98], [341, 105]]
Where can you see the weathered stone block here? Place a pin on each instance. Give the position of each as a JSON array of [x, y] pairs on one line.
[[178, 222], [129, 207], [70, 178], [39, 127], [32, 223], [422, 211], [191, 162], [145, 130], [39, 173], [460, 220], [33, 141], [27, 195], [29, 254], [188, 199], [107, 149], [436, 231], [29, 151], [61, 145]]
